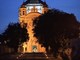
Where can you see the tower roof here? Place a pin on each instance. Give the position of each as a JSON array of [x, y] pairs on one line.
[[34, 2]]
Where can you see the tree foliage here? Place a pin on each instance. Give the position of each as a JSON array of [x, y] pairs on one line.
[[14, 35], [55, 29]]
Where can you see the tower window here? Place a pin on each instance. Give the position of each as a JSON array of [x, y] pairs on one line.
[[23, 12]]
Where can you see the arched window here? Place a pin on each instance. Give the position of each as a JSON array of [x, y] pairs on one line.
[[23, 12]]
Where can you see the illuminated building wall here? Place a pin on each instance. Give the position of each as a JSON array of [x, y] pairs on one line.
[[28, 11]]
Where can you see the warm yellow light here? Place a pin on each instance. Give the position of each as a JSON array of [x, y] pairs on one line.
[[29, 19]]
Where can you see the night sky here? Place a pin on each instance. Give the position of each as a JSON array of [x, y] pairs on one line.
[[9, 9]]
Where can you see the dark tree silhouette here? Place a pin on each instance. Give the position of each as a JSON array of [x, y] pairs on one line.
[[1, 39], [55, 29], [14, 35]]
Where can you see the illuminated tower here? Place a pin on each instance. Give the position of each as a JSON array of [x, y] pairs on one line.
[[28, 11]]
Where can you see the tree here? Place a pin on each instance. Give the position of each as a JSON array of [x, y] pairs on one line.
[[54, 28], [1, 39], [14, 35]]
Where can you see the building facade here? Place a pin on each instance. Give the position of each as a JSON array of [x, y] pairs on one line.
[[28, 11]]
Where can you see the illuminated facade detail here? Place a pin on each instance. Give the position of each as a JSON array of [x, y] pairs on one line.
[[28, 11]]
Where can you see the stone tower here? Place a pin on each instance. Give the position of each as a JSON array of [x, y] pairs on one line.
[[28, 11]]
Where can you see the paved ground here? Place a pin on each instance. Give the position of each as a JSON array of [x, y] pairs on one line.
[[26, 56]]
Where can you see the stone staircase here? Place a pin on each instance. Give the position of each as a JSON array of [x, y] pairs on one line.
[[33, 56]]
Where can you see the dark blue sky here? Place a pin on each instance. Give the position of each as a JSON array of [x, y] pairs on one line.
[[9, 9]]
